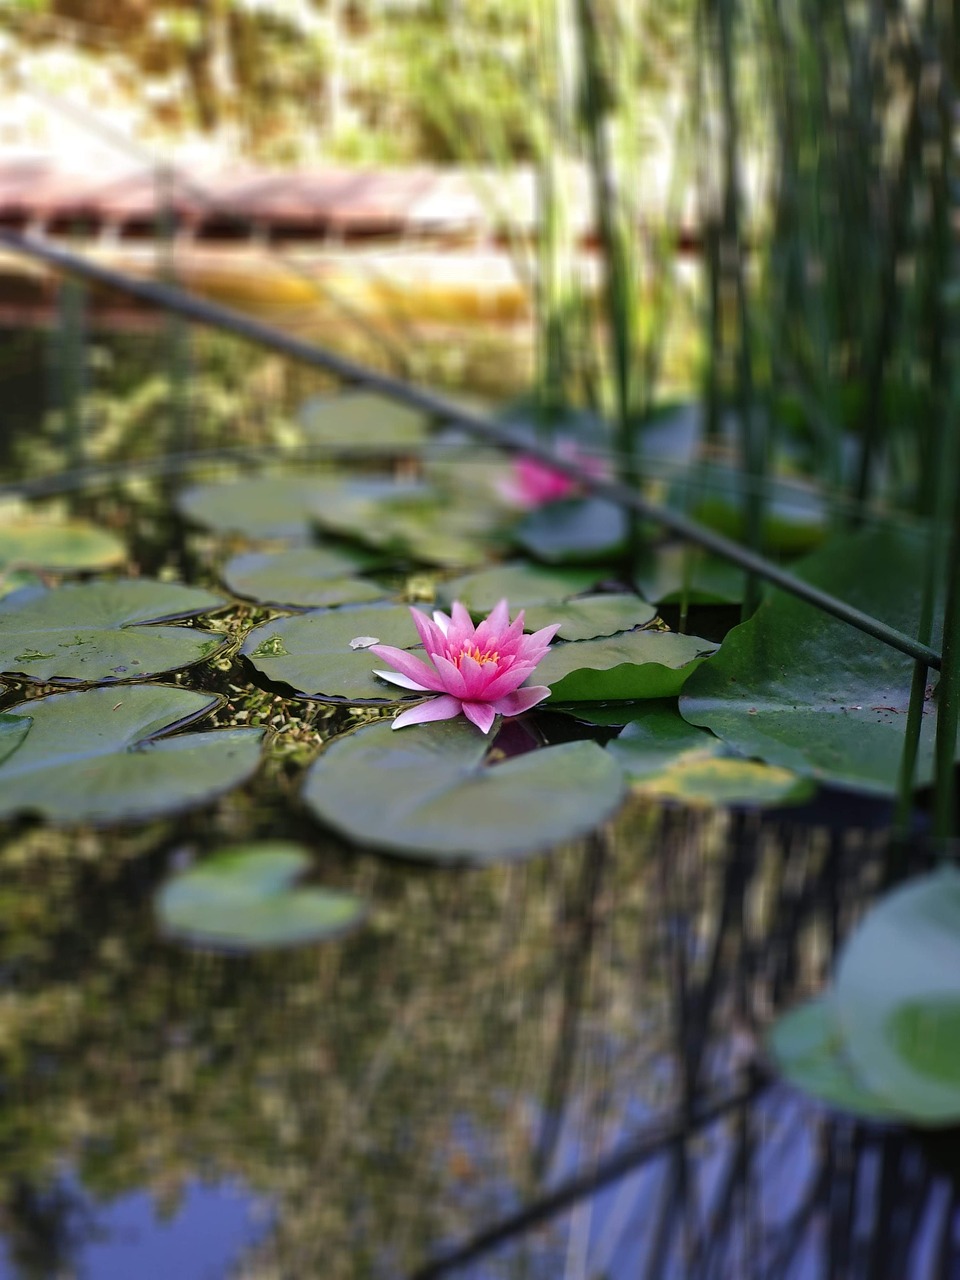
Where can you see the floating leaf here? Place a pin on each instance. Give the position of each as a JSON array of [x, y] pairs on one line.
[[260, 507], [426, 792], [897, 998], [795, 514], [359, 420], [808, 1049], [95, 632], [407, 520], [244, 898], [667, 575], [520, 583], [664, 756], [590, 616], [798, 688], [302, 577], [97, 756], [633, 664], [574, 530], [314, 654], [39, 542]]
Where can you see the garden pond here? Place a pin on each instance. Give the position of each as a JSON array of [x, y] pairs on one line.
[[286, 992]]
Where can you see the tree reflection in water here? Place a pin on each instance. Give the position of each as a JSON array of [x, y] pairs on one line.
[[546, 1069]]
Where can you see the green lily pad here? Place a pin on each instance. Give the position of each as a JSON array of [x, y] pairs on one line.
[[426, 792], [587, 617], [797, 688], [260, 507], [95, 632], [18, 580], [13, 730], [413, 521], [667, 575], [808, 1048], [521, 583], [245, 898], [311, 577], [97, 756], [38, 542], [573, 530], [897, 998], [633, 664], [795, 514], [359, 420], [311, 652], [664, 756]]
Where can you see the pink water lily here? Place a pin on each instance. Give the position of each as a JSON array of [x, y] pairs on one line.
[[476, 671], [533, 483]]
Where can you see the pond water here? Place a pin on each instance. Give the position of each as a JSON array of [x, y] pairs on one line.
[[551, 1067]]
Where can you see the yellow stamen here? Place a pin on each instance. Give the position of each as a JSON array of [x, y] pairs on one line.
[[478, 656]]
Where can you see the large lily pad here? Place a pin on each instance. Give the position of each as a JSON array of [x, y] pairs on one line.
[[809, 1051], [245, 899], [587, 617], [258, 507], [95, 632], [13, 730], [426, 792], [97, 756], [359, 420], [633, 664], [31, 541], [520, 583], [574, 530], [301, 577], [897, 998], [800, 689], [312, 652]]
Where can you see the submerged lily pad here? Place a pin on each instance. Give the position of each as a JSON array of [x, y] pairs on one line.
[[245, 898], [97, 756], [633, 664], [95, 632], [797, 688], [426, 792], [808, 1049], [669, 574], [587, 617], [897, 998], [361, 420], [312, 652], [520, 583], [311, 577], [574, 530], [40, 542]]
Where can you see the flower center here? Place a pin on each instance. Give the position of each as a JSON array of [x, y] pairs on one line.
[[478, 655]]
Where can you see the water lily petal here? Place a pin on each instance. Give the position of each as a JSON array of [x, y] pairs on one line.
[[442, 621], [475, 676], [481, 713], [514, 704], [492, 628], [453, 681], [442, 708], [461, 619], [403, 681], [433, 638], [509, 679], [410, 666], [541, 638]]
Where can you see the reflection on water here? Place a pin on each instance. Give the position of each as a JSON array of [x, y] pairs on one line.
[[542, 1070]]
